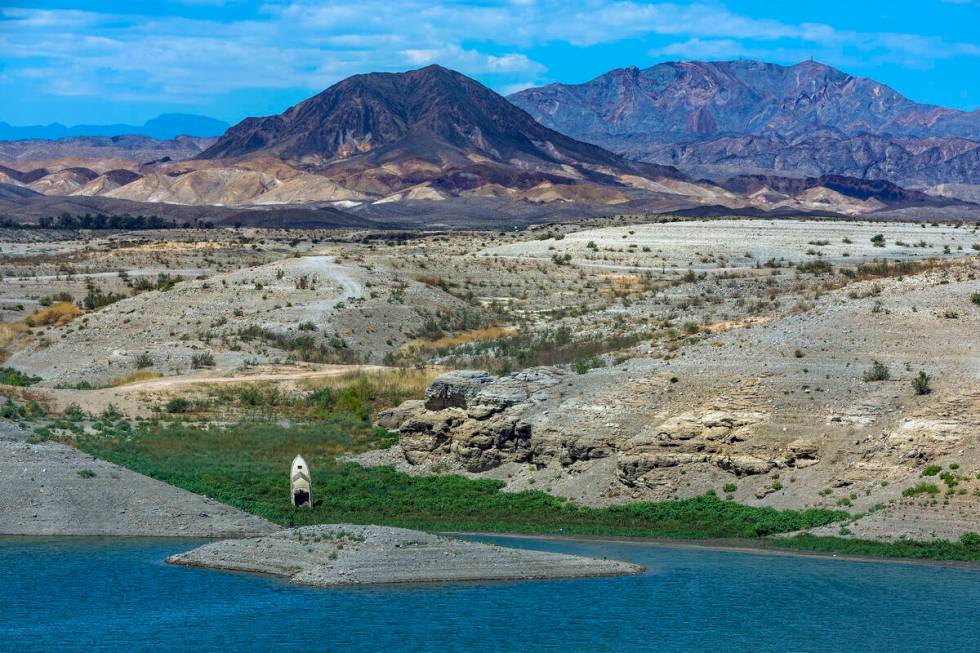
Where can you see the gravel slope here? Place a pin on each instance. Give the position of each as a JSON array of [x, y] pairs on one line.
[[50, 489]]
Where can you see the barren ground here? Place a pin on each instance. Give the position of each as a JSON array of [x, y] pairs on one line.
[[724, 355]]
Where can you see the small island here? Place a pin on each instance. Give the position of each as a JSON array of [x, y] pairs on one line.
[[348, 554]]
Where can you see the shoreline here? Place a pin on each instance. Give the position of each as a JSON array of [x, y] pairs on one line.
[[747, 546], [757, 547]]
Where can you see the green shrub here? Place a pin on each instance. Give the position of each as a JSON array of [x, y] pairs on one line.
[[584, 365], [877, 372], [74, 412], [10, 376], [950, 479], [921, 383], [975, 298], [729, 488], [931, 470], [178, 405], [970, 540], [921, 488], [204, 359]]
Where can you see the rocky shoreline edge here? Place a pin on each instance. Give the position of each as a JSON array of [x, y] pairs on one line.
[[349, 554]]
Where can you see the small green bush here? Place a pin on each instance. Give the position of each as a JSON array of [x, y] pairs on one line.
[[204, 359], [931, 470], [921, 384], [921, 488], [583, 366], [10, 376], [970, 539], [178, 405], [877, 372]]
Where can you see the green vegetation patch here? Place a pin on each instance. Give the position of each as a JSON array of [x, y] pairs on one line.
[[246, 465], [10, 376], [967, 548]]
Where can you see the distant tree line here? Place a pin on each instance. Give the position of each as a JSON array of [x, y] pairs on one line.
[[125, 222]]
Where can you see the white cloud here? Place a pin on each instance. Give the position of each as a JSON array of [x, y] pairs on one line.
[[471, 61], [311, 44]]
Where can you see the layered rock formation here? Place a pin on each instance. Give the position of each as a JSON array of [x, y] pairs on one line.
[[479, 422]]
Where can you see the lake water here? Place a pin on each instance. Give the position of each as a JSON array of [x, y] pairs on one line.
[[90, 594]]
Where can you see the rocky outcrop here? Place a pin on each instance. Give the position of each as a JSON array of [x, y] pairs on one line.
[[473, 418], [711, 437]]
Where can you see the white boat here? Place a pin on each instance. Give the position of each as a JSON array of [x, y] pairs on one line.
[[300, 485]]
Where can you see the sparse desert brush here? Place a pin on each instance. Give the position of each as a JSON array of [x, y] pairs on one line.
[[975, 298], [48, 300], [204, 359]]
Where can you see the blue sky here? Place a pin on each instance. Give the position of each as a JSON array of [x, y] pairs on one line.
[[102, 62]]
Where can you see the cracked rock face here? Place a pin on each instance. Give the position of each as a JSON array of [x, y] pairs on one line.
[[472, 417], [480, 422], [711, 437]]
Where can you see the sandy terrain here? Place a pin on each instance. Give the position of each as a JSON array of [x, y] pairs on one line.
[[346, 554], [740, 243]]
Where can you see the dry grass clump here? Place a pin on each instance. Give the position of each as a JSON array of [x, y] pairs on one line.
[[58, 314], [9, 332], [426, 347], [407, 382], [55, 315], [134, 377]]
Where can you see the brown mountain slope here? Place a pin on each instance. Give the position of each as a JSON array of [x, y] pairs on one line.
[[387, 131]]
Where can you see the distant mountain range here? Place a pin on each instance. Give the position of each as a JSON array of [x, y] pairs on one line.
[[433, 134], [165, 127], [730, 117], [384, 132]]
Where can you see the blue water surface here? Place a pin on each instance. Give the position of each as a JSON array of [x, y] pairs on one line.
[[100, 594]]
